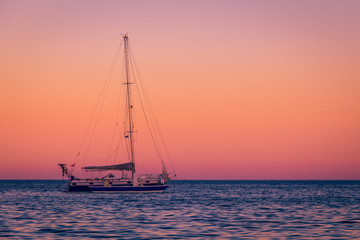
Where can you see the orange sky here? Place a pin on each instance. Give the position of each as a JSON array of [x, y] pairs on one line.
[[241, 89]]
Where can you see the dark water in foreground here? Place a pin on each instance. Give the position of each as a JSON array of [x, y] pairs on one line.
[[195, 209]]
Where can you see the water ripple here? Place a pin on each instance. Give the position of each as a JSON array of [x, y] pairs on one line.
[[188, 209]]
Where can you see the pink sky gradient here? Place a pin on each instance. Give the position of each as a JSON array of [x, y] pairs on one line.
[[241, 89]]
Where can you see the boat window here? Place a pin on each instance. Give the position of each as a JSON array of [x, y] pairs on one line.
[[73, 184], [91, 183]]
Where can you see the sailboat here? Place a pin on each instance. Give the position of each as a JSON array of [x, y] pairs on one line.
[[121, 177]]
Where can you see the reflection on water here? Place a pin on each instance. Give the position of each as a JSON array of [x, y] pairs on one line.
[[198, 209]]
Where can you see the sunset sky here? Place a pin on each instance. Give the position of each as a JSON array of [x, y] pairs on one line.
[[241, 89]]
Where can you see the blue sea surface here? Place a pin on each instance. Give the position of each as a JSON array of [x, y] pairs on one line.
[[35, 209]]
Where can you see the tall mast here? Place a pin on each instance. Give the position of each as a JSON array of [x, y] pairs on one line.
[[129, 105]]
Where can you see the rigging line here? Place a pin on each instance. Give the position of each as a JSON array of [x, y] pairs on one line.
[[111, 143], [102, 98], [119, 142], [116, 129], [122, 132], [125, 149], [147, 98], [119, 93], [154, 119], [150, 123], [96, 107], [151, 111], [116, 153], [112, 153], [155, 142]]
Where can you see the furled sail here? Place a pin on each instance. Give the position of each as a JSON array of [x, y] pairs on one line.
[[121, 167]]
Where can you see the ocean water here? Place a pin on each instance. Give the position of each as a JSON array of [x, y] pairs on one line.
[[188, 209]]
